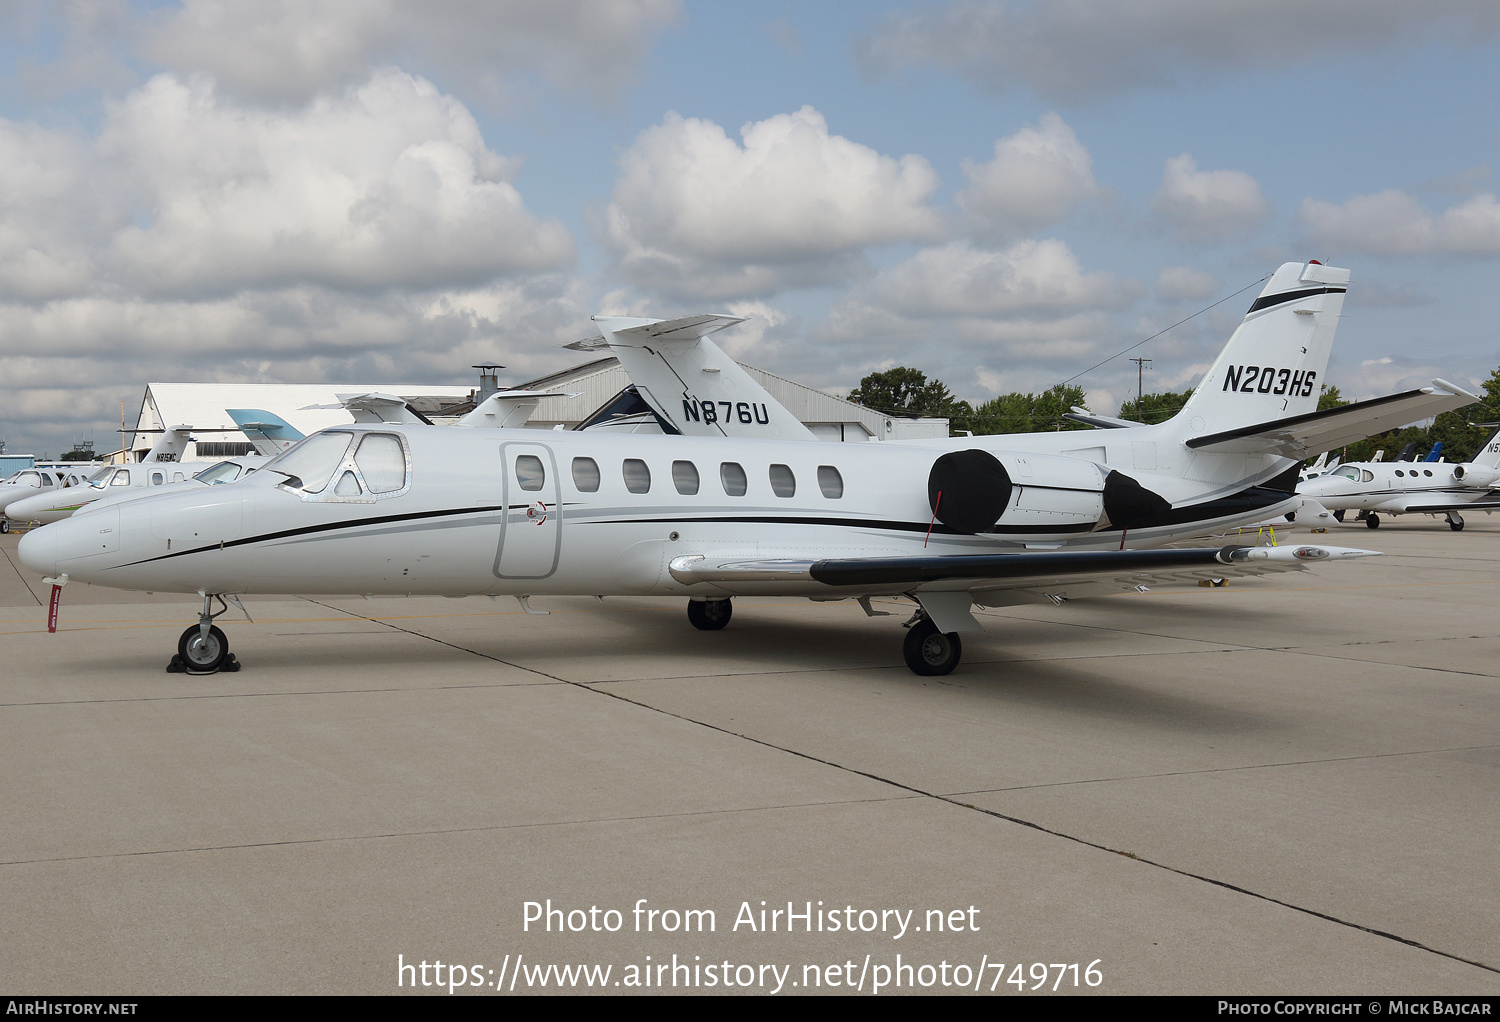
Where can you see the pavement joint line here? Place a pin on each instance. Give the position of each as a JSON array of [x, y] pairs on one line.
[[992, 813], [1224, 770], [272, 695], [20, 576], [454, 830]]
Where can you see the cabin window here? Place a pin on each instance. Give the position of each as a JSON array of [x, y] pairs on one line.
[[348, 485], [637, 476], [382, 462], [46, 479], [685, 477], [312, 463], [529, 472], [157, 478], [783, 483], [586, 475], [1400, 473], [830, 482], [1367, 476], [223, 472], [177, 477], [1427, 471], [733, 478]]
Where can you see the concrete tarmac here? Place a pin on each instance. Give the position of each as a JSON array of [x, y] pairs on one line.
[[1285, 786]]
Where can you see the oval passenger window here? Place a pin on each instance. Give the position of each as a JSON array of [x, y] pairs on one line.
[[586, 475]]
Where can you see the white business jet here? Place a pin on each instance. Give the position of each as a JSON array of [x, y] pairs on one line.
[[994, 520], [1376, 488], [32, 482], [161, 466]]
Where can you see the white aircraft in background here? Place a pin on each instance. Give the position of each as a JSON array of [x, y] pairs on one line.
[[1376, 488], [992, 520], [162, 467], [31, 482]]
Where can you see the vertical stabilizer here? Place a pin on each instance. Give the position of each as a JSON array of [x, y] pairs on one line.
[[689, 380], [1276, 363], [269, 432], [1488, 455]]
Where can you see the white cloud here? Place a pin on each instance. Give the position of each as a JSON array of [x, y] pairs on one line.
[[1394, 223], [1183, 283], [388, 184], [1036, 177], [290, 50], [1028, 278], [1070, 50], [695, 213], [968, 315], [1208, 205]]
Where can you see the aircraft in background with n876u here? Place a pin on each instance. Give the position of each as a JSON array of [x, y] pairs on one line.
[[992, 520]]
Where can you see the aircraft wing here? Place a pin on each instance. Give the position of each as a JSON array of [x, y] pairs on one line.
[[1055, 574], [1300, 436], [1437, 509]]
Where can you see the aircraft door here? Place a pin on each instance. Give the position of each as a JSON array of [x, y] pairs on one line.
[[531, 530]]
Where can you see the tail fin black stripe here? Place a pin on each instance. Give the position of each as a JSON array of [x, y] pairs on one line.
[[1266, 301]]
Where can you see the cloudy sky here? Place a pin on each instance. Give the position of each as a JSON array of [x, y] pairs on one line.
[[999, 192]]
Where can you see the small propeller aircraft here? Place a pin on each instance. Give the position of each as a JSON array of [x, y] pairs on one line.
[[377, 508], [1375, 488]]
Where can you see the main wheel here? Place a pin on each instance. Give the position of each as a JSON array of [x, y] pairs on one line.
[[710, 615], [1372, 520], [203, 654], [1338, 515], [4, 525], [1456, 524], [930, 652]]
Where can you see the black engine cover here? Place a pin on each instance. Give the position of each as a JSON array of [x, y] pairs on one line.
[[1130, 505], [975, 490]]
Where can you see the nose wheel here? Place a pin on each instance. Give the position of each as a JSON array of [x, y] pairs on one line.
[[710, 615], [203, 648]]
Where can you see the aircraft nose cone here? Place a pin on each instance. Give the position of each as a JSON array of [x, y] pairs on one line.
[[40, 550]]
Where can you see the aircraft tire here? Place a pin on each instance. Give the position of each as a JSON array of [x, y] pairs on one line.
[[1338, 515], [930, 652], [4, 525], [1457, 526], [1372, 521], [203, 655], [710, 615]]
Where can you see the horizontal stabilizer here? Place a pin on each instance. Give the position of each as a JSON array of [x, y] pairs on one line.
[[1088, 418], [1301, 435]]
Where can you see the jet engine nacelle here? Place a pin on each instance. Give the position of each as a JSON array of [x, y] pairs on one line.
[[1475, 475], [977, 491]]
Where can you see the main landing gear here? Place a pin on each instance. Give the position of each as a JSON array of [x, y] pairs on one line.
[[203, 648], [930, 652], [1372, 520], [1455, 521]]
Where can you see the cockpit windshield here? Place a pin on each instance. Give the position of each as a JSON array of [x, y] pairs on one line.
[[312, 462], [100, 475], [27, 478], [1348, 472], [223, 472]]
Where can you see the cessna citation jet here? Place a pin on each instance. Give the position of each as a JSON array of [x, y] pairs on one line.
[[1374, 488], [372, 509]]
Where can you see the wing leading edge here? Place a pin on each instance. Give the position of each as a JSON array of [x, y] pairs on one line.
[[975, 572]]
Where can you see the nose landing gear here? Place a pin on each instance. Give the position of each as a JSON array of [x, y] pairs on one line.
[[203, 648]]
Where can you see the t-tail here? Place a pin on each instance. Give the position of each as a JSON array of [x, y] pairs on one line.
[[689, 381], [269, 432], [1276, 363]]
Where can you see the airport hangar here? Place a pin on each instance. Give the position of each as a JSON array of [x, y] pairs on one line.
[[589, 394]]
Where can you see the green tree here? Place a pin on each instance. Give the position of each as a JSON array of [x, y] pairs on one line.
[[1155, 407], [1022, 413], [904, 391], [1329, 397]]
